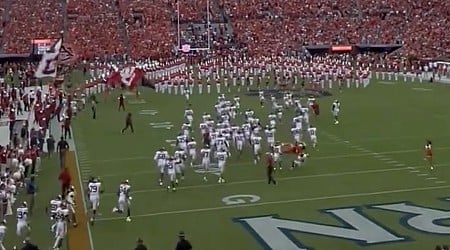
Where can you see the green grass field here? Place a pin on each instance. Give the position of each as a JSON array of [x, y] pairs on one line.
[[366, 187]]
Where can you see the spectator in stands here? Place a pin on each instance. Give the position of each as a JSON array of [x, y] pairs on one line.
[[62, 148], [183, 244]]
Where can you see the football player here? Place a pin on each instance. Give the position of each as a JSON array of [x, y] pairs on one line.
[[312, 131], [124, 199], [93, 191], [70, 199], [161, 157], [22, 220], [335, 108], [222, 157], [61, 217], [429, 154], [206, 159]]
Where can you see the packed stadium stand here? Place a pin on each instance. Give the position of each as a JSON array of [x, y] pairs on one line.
[[148, 28]]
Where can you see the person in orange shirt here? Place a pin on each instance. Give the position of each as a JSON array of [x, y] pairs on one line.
[[299, 151]]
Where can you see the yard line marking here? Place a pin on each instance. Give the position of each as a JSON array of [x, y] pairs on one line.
[[318, 198], [440, 182], [400, 165], [422, 175], [392, 162], [316, 158], [431, 178], [159, 189], [414, 171], [385, 159]]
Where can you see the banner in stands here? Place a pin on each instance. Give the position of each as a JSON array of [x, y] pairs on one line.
[[40, 46]]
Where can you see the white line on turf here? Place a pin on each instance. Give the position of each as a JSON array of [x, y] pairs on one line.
[[80, 179], [440, 182], [316, 158], [431, 178], [414, 171], [159, 189], [422, 175], [318, 198]]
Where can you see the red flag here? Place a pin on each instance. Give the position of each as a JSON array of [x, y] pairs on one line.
[[128, 77]]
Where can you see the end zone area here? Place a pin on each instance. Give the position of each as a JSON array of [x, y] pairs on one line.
[[363, 188]]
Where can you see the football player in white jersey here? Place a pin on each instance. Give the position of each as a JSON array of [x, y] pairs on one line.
[[305, 113], [189, 115], [270, 135], [221, 143], [161, 157], [297, 134], [60, 230], [277, 153], [54, 205], [312, 131], [182, 141], [186, 128], [22, 220], [256, 143], [180, 157], [335, 108], [272, 117], [240, 140], [124, 199], [2, 234], [298, 121], [261, 98], [192, 150], [222, 157], [206, 160], [70, 199], [172, 173], [93, 191]]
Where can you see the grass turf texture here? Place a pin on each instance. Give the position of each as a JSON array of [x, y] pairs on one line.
[[362, 161]]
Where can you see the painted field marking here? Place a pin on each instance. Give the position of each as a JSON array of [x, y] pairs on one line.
[[148, 112], [140, 101], [392, 162], [414, 171], [421, 89], [431, 178], [163, 125], [422, 175], [240, 199], [265, 180], [315, 158], [386, 83], [440, 182], [400, 165], [172, 142], [317, 198]]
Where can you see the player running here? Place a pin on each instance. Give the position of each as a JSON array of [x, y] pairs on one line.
[[93, 191], [23, 228], [312, 131], [161, 157], [222, 157], [206, 160], [61, 218], [124, 200]]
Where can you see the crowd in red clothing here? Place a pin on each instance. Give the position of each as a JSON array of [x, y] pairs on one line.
[[263, 26]]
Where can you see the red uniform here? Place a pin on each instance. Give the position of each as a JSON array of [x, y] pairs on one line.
[[270, 162], [428, 152]]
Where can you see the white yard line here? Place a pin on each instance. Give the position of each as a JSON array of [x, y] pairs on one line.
[[318, 198], [159, 189], [312, 157], [91, 242]]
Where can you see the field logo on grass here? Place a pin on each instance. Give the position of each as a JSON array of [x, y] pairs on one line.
[[137, 101], [213, 169], [238, 199], [161, 125], [172, 143], [273, 232], [148, 112]]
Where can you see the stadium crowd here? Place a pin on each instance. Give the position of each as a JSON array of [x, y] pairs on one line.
[[149, 28]]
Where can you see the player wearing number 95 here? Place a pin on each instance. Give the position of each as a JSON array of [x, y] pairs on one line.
[[94, 190]]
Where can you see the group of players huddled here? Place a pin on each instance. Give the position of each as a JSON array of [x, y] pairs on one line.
[[231, 129]]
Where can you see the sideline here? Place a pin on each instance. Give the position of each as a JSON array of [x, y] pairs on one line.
[[318, 198], [79, 238]]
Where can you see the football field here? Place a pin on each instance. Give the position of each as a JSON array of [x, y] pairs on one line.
[[367, 186]]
